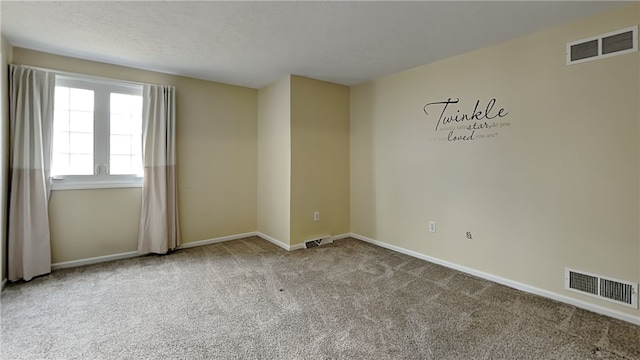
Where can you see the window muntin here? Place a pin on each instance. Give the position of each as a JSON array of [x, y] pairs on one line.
[[97, 138]]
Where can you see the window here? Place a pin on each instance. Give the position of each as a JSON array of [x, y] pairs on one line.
[[97, 134]]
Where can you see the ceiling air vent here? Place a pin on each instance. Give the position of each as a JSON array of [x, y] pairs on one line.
[[618, 42], [621, 292]]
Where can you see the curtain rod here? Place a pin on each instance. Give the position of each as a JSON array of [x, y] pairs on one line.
[[95, 77]]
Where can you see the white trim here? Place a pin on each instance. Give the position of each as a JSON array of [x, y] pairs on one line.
[[89, 82], [280, 243], [341, 236], [216, 240], [510, 283], [94, 260], [274, 241], [57, 185], [132, 254], [98, 175], [292, 247]]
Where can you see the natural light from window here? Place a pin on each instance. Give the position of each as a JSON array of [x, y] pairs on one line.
[[97, 134], [125, 134], [73, 132]]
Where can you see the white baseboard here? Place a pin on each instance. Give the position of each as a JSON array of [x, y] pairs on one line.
[[280, 243], [216, 240], [510, 283], [132, 254], [341, 236], [94, 260], [274, 241], [296, 246]]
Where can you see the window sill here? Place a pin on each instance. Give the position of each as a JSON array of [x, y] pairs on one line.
[[95, 185]]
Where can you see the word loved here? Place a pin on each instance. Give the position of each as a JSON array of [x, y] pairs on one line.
[[453, 137]]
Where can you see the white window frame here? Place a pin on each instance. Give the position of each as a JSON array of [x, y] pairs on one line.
[[100, 179]]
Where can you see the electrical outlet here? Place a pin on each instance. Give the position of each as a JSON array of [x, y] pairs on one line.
[[316, 216], [432, 226]]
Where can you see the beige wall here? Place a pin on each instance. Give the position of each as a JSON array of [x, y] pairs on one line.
[[81, 228], [274, 159], [303, 159], [217, 162], [6, 58], [319, 158], [557, 187]]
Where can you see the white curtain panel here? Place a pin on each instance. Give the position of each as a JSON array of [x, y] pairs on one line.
[[31, 122], [159, 229]]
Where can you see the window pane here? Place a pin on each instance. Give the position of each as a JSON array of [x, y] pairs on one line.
[[60, 164], [125, 134], [81, 143], [136, 160], [61, 142], [80, 164], [126, 104], [120, 103], [136, 145], [81, 121], [125, 164], [61, 120], [120, 124], [81, 99], [73, 132], [122, 165], [120, 145], [61, 98]]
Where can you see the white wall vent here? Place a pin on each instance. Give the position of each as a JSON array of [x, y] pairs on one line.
[[618, 42], [606, 288], [327, 239]]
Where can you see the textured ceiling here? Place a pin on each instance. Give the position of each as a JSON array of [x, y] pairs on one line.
[[255, 43]]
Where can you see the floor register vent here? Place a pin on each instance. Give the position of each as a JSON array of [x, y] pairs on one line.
[[327, 239], [606, 288]]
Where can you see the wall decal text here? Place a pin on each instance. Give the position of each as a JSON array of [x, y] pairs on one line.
[[480, 123]]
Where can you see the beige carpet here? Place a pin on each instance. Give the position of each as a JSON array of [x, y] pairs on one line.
[[248, 299]]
